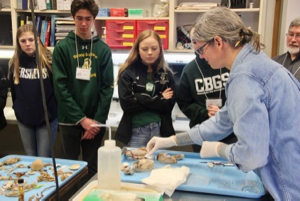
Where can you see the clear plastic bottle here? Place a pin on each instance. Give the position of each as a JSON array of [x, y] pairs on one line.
[[109, 166]]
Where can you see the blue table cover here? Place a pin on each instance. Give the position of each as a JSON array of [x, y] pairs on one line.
[[222, 180]]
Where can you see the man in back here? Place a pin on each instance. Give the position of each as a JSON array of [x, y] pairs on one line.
[[291, 59]]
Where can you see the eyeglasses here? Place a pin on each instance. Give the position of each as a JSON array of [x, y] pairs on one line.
[[292, 35], [200, 49]]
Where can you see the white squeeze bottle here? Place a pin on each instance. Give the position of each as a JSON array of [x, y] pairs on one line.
[[109, 164]]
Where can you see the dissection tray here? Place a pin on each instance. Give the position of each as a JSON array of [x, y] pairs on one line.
[[48, 188], [219, 179]]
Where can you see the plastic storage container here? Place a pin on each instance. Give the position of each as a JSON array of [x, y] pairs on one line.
[[161, 27], [120, 34], [109, 166], [119, 43], [120, 25]]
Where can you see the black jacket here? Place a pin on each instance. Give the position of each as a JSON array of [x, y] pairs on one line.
[[292, 65], [3, 96], [133, 99]]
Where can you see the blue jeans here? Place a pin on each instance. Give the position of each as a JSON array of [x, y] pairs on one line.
[[141, 135], [36, 140]]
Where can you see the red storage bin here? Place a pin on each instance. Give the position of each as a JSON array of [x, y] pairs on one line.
[[120, 34], [121, 25], [161, 27], [120, 43]]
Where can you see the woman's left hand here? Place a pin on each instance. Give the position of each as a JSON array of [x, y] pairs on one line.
[[168, 93]]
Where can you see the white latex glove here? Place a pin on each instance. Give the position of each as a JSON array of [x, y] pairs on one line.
[[211, 149], [158, 142]]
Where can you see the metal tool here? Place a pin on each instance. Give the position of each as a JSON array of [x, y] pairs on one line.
[[211, 164]]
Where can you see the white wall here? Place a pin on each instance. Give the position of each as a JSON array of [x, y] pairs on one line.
[[290, 10], [268, 22]]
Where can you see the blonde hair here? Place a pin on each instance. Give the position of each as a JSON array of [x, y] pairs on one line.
[[44, 54], [134, 53], [225, 23]]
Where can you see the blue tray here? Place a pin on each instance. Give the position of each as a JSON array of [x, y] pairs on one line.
[[220, 180], [27, 160]]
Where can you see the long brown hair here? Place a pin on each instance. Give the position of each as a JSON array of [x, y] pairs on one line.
[[134, 53], [44, 54]]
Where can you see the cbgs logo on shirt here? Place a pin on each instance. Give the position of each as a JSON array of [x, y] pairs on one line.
[[211, 84]]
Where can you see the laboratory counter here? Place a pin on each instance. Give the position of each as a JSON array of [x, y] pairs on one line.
[[114, 117], [11, 132]]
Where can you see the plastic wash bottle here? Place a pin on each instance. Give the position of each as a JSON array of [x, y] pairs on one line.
[[109, 164]]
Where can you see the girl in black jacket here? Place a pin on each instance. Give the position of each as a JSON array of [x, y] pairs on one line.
[[146, 90]]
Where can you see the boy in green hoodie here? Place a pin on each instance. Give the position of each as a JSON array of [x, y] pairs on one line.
[[83, 84]]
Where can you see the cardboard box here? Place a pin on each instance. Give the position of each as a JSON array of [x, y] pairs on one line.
[[135, 12], [117, 12], [104, 12]]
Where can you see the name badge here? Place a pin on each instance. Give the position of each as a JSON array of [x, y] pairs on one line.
[[217, 102], [149, 86], [83, 74]]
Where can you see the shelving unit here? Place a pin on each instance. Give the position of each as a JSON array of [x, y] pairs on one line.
[[253, 17], [203, 11], [45, 11], [132, 18], [5, 10], [6, 47], [5, 33]]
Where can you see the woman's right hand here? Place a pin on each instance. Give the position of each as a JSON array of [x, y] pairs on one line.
[[158, 142]]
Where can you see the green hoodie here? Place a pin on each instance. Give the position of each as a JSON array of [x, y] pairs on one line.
[[79, 98]]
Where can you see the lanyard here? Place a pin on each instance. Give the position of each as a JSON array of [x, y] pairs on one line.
[[203, 78], [284, 62], [77, 49]]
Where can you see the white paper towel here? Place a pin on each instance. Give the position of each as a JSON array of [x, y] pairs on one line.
[[167, 178]]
